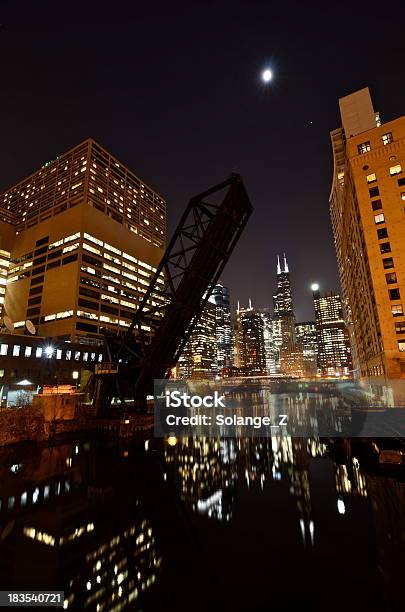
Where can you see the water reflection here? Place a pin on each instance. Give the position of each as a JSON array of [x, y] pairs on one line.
[[203, 524]]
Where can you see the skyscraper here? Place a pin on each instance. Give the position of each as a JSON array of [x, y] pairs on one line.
[[223, 326], [334, 358], [271, 350], [367, 210], [284, 323], [198, 359], [83, 236], [307, 341], [249, 339]]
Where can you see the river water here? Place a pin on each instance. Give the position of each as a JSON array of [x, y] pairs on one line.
[[203, 524]]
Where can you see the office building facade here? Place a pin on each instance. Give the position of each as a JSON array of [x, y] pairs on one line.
[[334, 355], [84, 237], [367, 203]]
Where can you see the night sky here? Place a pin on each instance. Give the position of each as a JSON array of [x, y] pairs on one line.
[[173, 90]]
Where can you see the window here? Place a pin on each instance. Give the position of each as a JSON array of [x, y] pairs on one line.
[[16, 350], [376, 204], [387, 138], [38, 352], [382, 233], [401, 346], [394, 294], [400, 327], [374, 192], [397, 169], [58, 354], [3, 349], [397, 310], [401, 182], [388, 262], [1, 373], [391, 277], [379, 218], [77, 355], [402, 195], [28, 351], [364, 147], [371, 178], [68, 355], [385, 247]]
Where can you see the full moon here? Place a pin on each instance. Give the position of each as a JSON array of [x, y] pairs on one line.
[[267, 75]]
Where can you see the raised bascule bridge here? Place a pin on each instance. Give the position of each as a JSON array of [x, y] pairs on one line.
[[192, 264]]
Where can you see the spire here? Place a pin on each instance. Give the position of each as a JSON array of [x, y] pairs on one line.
[[250, 304], [238, 307], [278, 265], [285, 264]]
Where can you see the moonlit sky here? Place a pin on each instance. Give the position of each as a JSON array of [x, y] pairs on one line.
[[175, 91]]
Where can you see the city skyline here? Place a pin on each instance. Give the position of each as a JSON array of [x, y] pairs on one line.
[[151, 113]]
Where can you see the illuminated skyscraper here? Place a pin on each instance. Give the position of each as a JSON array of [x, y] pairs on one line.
[[367, 210], [334, 358], [249, 338], [223, 326], [84, 235], [198, 359], [284, 323], [307, 341]]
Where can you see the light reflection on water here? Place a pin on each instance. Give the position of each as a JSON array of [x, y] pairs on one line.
[[230, 524]]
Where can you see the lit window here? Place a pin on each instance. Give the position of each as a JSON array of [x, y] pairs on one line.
[[28, 351], [77, 355], [400, 327], [364, 147], [395, 169], [401, 346], [402, 195], [58, 354], [1, 373], [85, 356], [16, 350], [379, 218], [397, 310], [371, 178], [391, 278], [387, 138], [3, 349], [38, 352], [68, 355]]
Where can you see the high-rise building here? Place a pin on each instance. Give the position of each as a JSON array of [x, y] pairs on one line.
[[249, 341], [223, 326], [334, 358], [307, 341], [198, 358], [82, 235], [367, 209], [271, 350], [284, 323]]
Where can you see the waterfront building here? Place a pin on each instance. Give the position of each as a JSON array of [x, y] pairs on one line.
[[307, 341], [82, 237], [249, 334], [367, 203], [198, 358], [334, 356], [223, 327], [271, 351], [284, 327]]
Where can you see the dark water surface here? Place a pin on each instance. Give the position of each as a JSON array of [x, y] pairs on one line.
[[252, 524]]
